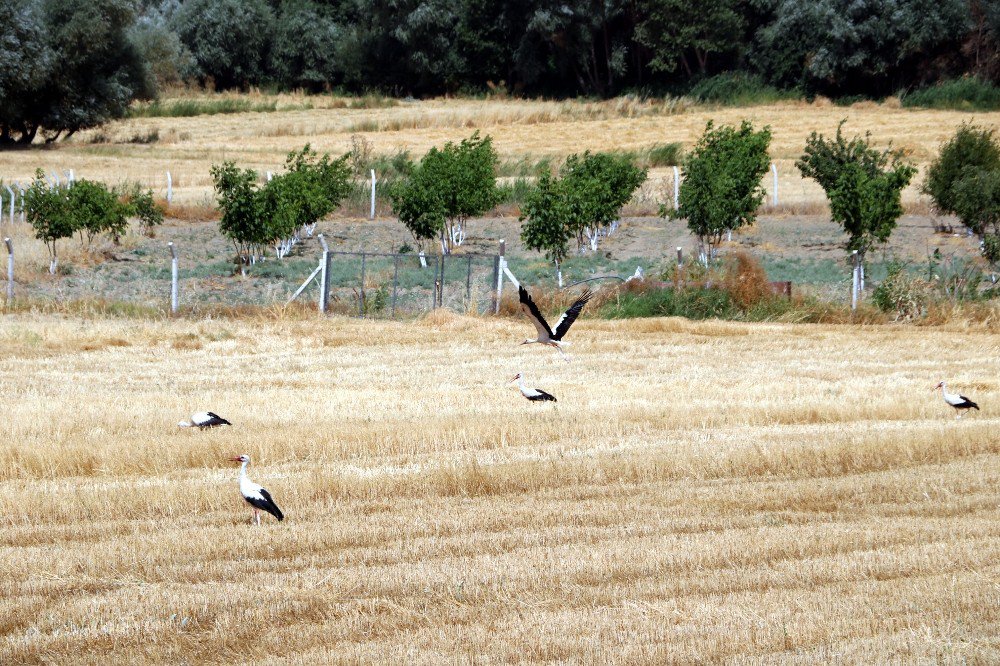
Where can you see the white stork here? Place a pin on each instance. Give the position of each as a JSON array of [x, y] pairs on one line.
[[546, 335], [254, 494], [202, 420], [959, 402], [532, 394]]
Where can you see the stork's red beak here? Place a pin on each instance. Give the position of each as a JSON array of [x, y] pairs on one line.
[[514, 378], [236, 459]]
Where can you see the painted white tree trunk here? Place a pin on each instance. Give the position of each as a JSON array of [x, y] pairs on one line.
[[423, 259]]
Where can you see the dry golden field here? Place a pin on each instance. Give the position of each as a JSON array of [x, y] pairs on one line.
[[521, 130], [701, 492]]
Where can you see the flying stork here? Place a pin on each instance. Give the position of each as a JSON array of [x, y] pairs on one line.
[[959, 402], [202, 420], [254, 494], [532, 394], [546, 335]]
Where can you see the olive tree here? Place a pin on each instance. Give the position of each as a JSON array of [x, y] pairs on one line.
[[722, 190]]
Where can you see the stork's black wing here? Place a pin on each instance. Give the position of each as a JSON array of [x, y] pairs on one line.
[[966, 404], [542, 396], [266, 504], [531, 310], [216, 420], [562, 326]]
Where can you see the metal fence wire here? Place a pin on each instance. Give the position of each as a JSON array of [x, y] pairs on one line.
[[387, 285]]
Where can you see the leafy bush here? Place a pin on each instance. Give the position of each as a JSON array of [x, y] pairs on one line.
[[970, 147], [448, 187], [738, 89], [722, 189], [47, 211], [140, 204], [862, 184], [96, 209], [965, 94]]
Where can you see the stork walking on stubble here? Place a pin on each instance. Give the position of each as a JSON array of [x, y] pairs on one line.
[[959, 402], [202, 420], [532, 394], [255, 494], [553, 337]]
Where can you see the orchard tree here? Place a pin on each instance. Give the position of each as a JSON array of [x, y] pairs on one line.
[[47, 210], [971, 149], [862, 183], [95, 210], [544, 218], [242, 221], [597, 186], [722, 190]]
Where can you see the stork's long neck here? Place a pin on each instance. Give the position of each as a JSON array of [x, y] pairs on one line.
[[243, 472]]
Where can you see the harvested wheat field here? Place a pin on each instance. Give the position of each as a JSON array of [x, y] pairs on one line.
[[143, 149], [700, 492]]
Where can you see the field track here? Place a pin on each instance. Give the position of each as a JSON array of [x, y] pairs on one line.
[[701, 492]]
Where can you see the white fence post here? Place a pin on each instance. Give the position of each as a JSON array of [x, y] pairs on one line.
[[774, 193], [677, 188], [170, 188], [324, 275], [372, 216], [21, 189], [500, 268], [855, 282], [10, 269], [173, 278]]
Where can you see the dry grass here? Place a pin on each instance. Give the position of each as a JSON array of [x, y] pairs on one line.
[[521, 129], [701, 492]]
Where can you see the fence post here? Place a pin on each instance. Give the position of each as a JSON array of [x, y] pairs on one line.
[[173, 278], [372, 216], [10, 269], [21, 190], [855, 283], [361, 294], [395, 282], [498, 275], [774, 194], [324, 276], [170, 189], [677, 188]]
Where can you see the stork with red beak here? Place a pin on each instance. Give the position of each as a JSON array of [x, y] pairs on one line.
[[959, 402], [254, 494], [532, 394], [551, 336]]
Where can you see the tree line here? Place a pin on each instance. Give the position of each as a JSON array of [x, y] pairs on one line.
[[67, 65]]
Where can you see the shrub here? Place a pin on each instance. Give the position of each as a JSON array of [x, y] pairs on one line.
[[966, 94], [970, 148], [140, 203], [738, 89], [665, 154], [722, 189], [96, 209], [746, 281], [901, 293]]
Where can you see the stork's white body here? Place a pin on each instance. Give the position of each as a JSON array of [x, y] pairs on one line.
[[202, 420], [532, 394], [551, 337], [255, 494], [956, 400]]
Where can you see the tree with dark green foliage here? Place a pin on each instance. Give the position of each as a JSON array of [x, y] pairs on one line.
[[303, 51], [242, 221], [970, 148], [597, 185], [139, 203], [65, 66], [544, 220], [975, 198], [679, 33], [47, 210], [448, 187], [228, 39], [96, 210], [722, 190], [862, 184]]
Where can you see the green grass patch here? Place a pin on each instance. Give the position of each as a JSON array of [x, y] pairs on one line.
[[739, 89], [186, 108], [965, 94]]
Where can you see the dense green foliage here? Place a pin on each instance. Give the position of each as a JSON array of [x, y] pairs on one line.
[[447, 187], [863, 185], [66, 65], [970, 148], [722, 190], [255, 216], [596, 186], [579, 47], [96, 209], [544, 217]]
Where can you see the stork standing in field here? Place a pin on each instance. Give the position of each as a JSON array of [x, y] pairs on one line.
[[254, 494], [959, 402], [546, 335], [532, 394], [202, 420]]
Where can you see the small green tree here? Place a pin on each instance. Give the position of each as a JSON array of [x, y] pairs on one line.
[[242, 221], [598, 185], [446, 188], [95, 210], [47, 210], [722, 190], [975, 198], [544, 218], [140, 204], [970, 148], [863, 185]]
